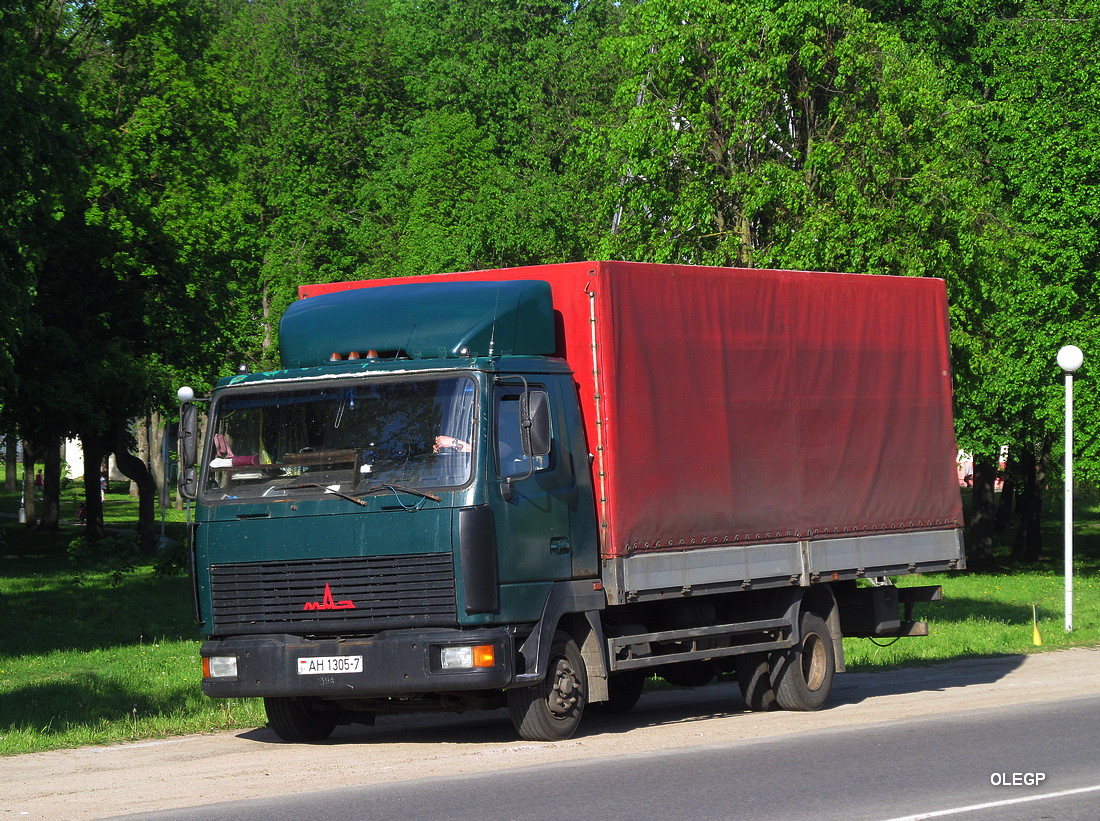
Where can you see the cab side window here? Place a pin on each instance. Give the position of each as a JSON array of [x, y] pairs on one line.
[[511, 460]]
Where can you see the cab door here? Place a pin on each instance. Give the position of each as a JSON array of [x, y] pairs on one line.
[[533, 526]]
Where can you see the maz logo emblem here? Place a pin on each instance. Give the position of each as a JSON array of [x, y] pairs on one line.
[[327, 602]]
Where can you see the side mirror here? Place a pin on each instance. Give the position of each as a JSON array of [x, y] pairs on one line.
[[535, 424], [188, 448]]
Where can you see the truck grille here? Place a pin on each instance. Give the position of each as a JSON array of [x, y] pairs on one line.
[[334, 595]]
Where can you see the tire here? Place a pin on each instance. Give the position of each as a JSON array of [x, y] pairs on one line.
[[754, 679], [624, 690], [551, 710], [803, 675], [300, 719]]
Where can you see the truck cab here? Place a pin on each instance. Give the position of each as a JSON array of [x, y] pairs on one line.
[[387, 527]]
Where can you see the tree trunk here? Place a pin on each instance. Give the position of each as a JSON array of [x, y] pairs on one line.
[[155, 425], [1028, 546], [28, 485], [979, 550], [51, 490], [94, 451], [1006, 502], [137, 471], [142, 451], [11, 463]]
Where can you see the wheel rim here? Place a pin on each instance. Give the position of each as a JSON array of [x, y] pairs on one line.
[[565, 692], [814, 662]]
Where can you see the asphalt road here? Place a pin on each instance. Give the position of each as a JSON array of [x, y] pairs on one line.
[[888, 745], [1038, 761]]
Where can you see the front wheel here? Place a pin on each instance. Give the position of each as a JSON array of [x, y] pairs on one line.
[[551, 710], [803, 675], [300, 719]]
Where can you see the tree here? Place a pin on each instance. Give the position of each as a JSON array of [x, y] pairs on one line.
[[11, 463], [314, 97], [173, 169], [1030, 67], [112, 303], [788, 135], [483, 174], [39, 170], [38, 158], [38, 166], [157, 162]]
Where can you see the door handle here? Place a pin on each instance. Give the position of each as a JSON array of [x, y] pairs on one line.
[[560, 544]]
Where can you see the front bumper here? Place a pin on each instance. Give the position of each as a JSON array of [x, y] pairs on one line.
[[395, 663]]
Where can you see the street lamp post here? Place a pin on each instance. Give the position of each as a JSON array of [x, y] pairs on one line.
[[1070, 359]]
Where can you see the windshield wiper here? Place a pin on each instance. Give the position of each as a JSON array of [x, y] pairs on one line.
[[394, 489], [328, 489]]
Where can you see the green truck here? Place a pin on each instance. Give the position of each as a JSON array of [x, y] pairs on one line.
[[537, 487]]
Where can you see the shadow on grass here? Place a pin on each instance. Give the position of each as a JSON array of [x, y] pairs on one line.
[[58, 609], [58, 707], [958, 609]]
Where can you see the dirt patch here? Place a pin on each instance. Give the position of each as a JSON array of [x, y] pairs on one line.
[[101, 782]]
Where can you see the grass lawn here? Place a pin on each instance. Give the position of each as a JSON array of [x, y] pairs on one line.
[[991, 613], [97, 656], [93, 656]]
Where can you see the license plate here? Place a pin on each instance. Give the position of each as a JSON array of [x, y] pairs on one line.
[[327, 665]]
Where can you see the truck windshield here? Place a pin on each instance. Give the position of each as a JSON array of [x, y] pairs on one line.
[[345, 438]]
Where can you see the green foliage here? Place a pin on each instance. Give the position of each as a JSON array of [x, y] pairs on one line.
[[1041, 71], [1027, 70], [482, 172], [230, 151], [912, 139], [313, 98], [38, 164], [115, 554], [156, 125], [173, 558], [792, 135]]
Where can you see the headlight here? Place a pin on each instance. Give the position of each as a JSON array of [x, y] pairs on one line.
[[219, 667], [467, 658]]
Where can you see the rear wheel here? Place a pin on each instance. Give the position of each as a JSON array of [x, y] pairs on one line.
[[803, 675], [300, 719], [754, 678], [552, 709]]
